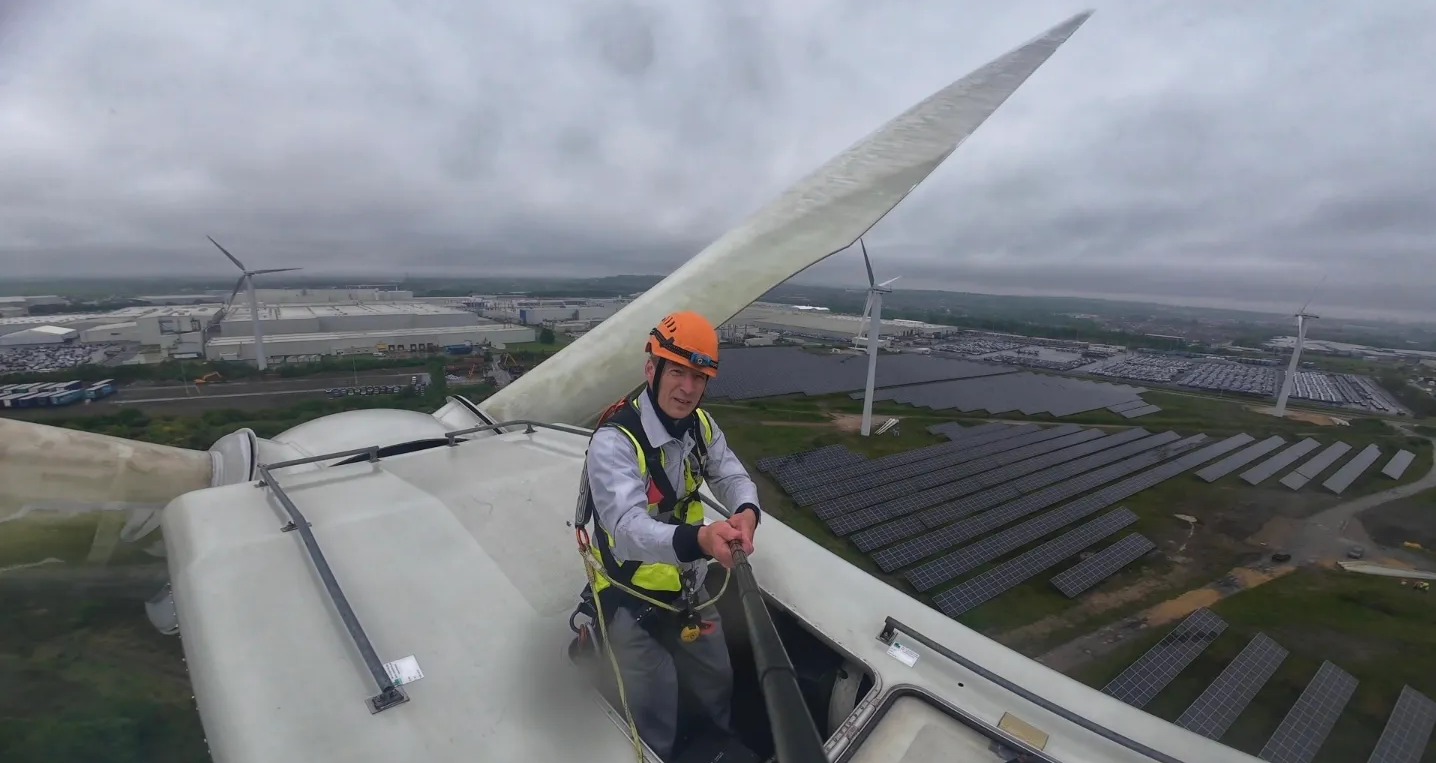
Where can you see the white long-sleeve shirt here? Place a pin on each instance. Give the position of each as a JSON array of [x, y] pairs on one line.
[[620, 496]]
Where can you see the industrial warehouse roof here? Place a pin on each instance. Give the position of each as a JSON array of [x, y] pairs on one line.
[[162, 311], [240, 312], [52, 320], [278, 339], [39, 335]]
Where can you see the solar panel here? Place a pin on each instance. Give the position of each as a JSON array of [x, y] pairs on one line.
[[1241, 458], [998, 580], [1407, 730], [1025, 392], [1016, 507], [1342, 479], [1398, 463], [805, 482], [1308, 722], [939, 571], [989, 487], [1127, 406], [1144, 679], [1224, 699], [1314, 466], [1101, 565], [754, 372], [915, 475], [1132, 413], [1259, 473], [914, 478]]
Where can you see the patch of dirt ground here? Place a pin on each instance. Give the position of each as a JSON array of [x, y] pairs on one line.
[[848, 422], [1085, 648], [1320, 419]]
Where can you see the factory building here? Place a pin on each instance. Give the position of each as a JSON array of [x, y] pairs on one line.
[[276, 320], [39, 335], [165, 327], [357, 294], [11, 307], [819, 324], [305, 346], [77, 321], [538, 312]]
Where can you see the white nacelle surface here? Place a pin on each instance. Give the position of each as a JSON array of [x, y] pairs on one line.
[[461, 556]]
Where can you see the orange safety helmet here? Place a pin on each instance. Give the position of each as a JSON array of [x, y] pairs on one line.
[[688, 339]]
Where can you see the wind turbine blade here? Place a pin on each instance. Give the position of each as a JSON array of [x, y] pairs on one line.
[[867, 309], [43, 466], [237, 286], [867, 263], [822, 214], [889, 282], [231, 257], [272, 270]]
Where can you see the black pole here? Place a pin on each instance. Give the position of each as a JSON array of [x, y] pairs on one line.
[[795, 738]]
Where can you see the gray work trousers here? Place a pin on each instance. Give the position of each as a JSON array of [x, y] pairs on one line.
[[651, 677]]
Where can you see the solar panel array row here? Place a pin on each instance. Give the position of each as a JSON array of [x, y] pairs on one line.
[[914, 478], [1102, 565], [1132, 413], [1143, 679], [1342, 479], [974, 555], [955, 501], [1314, 466], [824, 459], [1407, 730], [943, 569], [1241, 458], [915, 463], [1398, 463], [1262, 471], [798, 482], [998, 580], [1019, 504], [1307, 723], [1026, 392], [1224, 699], [1128, 405], [754, 372]]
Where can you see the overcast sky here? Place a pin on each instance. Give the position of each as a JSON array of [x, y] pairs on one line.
[[1222, 151]]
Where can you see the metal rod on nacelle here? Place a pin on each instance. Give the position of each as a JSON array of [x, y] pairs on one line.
[[795, 737]]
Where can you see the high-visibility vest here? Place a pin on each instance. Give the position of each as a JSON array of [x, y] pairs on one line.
[[659, 580]]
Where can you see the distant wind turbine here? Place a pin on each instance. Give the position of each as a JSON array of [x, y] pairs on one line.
[[247, 280], [873, 315], [1302, 316]]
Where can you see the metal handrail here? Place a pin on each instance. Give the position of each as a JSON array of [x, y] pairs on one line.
[[389, 693], [890, 625]]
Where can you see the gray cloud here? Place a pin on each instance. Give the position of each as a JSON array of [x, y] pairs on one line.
[[1227, 152]]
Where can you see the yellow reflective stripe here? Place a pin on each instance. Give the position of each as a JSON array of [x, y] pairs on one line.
[[657, 576], [637, 448], [707, 426]]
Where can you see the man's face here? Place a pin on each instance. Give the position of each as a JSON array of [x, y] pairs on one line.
[[679, 390]]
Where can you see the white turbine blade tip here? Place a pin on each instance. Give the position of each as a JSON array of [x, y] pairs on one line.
[[827, 211]]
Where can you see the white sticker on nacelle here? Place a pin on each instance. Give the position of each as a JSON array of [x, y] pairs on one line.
[[902, 654], [404, 671]]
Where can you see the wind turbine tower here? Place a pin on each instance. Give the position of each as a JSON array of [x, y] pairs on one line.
[[246, 279], [873, 316], [1302, 316]]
